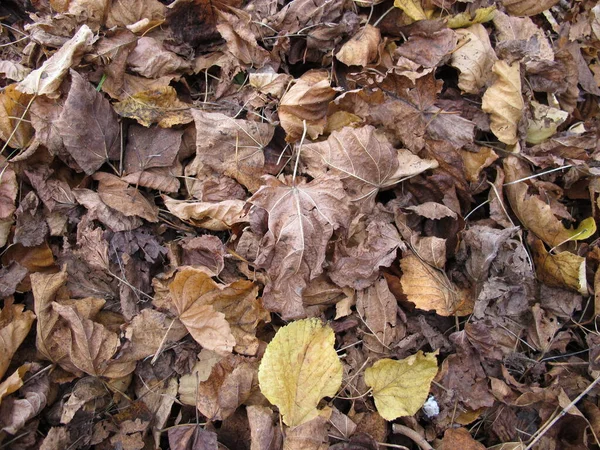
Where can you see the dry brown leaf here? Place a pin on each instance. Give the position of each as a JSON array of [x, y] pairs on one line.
[[364, 161], [163, 179], [47, 79], [534, 213], [231, 147], [460, 438], [14, 327], [378, 308], [430, 289], [523, 31], [151, 60], [88, 126], [301, 219], [123, 13], [304, 106], [474, 58], [13, 382], [150, 147], [15, 126], [8, 195], [527, 7], [108, 216], [228, 386], [563, 269], [211, 216], [433, 211], [159, 105], [118, 195], [504, 103], [192, 437], [13, 70], [265, 434], [311, 435], [236, 29], [361, 49], [475, 162]]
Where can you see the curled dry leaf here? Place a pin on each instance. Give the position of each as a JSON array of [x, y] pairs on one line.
[[47, 79], [365, 162], [544, 122], [301, 219], [527, 7], [430, 289], [361, 49], [14, 327], [159, 105], [8, 195], [113, 219], [123, 13], [118, 195], [474, 58], [15, 126], [211, 216], [151, 60], [13, 382], [563, 269], [241, 39], [192, 437], [534, 213], [305, 106], [412, 8], [299, 368], [400, 388], [13, 70], [264, 433], [503, 102]]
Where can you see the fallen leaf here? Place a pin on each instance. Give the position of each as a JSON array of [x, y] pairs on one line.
[[192, 437], [32, 398], [400, 387], [151, 60], [411, 8], [304, 106], [159, 105], [311, 435], [122, 13], [265, 435], [148, 148], [361, 49], [503, 102], [467, 18], [430, 289], [113, 219], [301, 219], [15, 126], [14, 381], [121, 197], [433, 211], [236, 29], [534, 213], [527, 7], [474, 58], [13, 70], [563, 269], [364, 161], [211, 216], [299, 368], [47, 79], [544, 122], [460, 438], [14, 327]]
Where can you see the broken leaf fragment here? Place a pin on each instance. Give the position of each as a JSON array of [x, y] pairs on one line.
[[300, 367], [400, 388]]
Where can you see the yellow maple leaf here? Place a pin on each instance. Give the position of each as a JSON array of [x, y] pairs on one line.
[[400, 388], [299, 368]]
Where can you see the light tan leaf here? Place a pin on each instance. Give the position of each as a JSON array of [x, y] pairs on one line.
[[474, 58], [269, 82], [127, 12], [302, 218], [503, 102], [378, 308], [433, 211], [299, 368], [14, 327], [9, 189], [412, 8], [534, 213], [361, 49], [228, 386], [47, 79], [188, 384], [264, 433], [151, 60], [193, 292], [523, 30], [476, 162], [400, 388], [118, 195], [13, 130], [13, 70], [99, 210], [306, 102], [563, 269], [365, 162], [430, 289], [311, 435], [544, 122], [236, 29], [527, 7], [160, 105], [231, 147], [13, 382], [211, 216]]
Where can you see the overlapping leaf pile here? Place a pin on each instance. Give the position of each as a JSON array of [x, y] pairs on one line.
[[261, 224]]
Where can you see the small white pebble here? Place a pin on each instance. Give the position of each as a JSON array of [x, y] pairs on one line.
[[431, 407]]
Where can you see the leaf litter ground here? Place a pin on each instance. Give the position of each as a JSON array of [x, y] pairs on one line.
[[301, 224]]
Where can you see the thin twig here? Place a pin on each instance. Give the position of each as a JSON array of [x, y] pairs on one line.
[[412, 435]]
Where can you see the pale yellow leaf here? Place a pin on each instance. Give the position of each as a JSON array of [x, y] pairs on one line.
[[465, 19], [544, 122], [563, 269], [412, 8], [503, 101], [474, 58], [400, 388], [300, 367]]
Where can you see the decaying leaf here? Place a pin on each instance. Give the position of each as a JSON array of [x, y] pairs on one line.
[[411, 8], [118, 195], [544, 122], [160, 105], [299, 368], [534, 213], [527, 7], [503, 101], [361, 49], [400, 388], [15, 127], [211, 216], [430, 289], [14, 327], [474, 58], [563, 269]]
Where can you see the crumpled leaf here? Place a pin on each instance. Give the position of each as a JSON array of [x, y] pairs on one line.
[[527, 7], [306, 102], [13, 70], [430, 289], [474, 58], [118, 195], [47, 79], [503, 102], [13, 105], [361, 49], [192, 437], [123, 13], [113, 219], [301, 219], [9, 189], [364, 161], [563, 269], [412, 8], [211, 216], [88, 126], [299, 368], [400, 388], [32, 398], [151, 60], [13, 382], [466, 19], [241, 40], [14, 327], [160, 105], [544, 122], [534, 213]]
